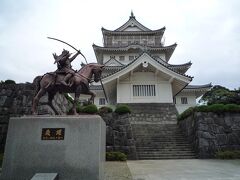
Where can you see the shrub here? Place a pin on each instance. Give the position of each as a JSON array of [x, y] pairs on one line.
[[89, 109], [232, 108], [186, 113], [219, 108], [235, 154], [116, 156], [9, 81], [105, 109], [122, 109], [202, 108], [79, 108]]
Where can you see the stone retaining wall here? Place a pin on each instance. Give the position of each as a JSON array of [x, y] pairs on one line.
[[16, 100], [158, 113], [212, 132], [119, 134]]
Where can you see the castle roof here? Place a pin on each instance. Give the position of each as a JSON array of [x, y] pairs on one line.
[[100, 50], [181, 68], [198, 90], [132, 26], [149, 32], [195, 87], [162, 63]]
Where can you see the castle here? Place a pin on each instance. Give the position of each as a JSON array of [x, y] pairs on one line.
[[137, 69]]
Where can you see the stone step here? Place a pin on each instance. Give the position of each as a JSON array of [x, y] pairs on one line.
[[165, 157], [165, 151], [160, 139], [169, 148], [162, 153], [180, 148], [161, 143]]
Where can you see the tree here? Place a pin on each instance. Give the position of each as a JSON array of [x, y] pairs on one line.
[[9, 81], [221, 95]]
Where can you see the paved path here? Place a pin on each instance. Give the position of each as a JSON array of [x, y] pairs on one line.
[[117, 171], [185, 169]]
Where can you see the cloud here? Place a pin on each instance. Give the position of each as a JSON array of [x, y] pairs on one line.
[[207, 33]]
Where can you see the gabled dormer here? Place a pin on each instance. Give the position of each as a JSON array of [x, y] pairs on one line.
[[132, 33], [132, 25]]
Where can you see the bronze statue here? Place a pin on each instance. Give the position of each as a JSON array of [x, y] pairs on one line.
[[66, 80], [64, 65]]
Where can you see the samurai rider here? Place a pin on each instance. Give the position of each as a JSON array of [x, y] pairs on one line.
[[64, 65]]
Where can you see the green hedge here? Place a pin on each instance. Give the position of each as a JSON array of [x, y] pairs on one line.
[[235, 154], [89, 109], [122, 109], [116, 156], [104, 110], [217, 108]]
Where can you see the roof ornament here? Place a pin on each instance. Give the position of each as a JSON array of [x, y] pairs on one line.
[[132, 15]]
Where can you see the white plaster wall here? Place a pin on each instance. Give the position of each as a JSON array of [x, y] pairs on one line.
[[125, 89], [106, 57], [191, 98], [123, 92]]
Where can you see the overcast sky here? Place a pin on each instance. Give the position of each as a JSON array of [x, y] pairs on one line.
[[207, 33]]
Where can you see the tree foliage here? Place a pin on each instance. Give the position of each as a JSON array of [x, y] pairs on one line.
[[221, 95], [8, 81]]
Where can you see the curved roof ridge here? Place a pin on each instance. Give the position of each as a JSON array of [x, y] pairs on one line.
[[134, 45], [198, 86], [152, 58], [189, 63], [157, 31]]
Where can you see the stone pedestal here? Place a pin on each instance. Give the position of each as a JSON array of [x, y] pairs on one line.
[[71, 146]]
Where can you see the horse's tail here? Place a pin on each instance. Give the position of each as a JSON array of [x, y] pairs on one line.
[[36, 82]]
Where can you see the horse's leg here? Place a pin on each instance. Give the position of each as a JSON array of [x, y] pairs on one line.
[[40, 93], [93, 95], [50, 99]]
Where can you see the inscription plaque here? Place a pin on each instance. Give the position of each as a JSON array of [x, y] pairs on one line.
[[53, 133]]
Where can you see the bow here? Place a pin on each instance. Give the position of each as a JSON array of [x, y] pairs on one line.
[[68, 45]]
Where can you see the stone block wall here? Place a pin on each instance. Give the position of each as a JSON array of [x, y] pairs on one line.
[[160, 113], [16, 100], [119, 134], [212, 132]]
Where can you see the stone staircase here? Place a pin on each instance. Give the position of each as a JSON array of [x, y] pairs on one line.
[[156, 132], [161, 141]]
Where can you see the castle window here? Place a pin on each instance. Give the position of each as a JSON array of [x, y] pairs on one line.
[[121, 58], [184, 100], [144, 90], [131, 58], [102, 101]]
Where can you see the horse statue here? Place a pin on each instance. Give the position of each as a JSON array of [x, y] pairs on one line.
[[79, 84]]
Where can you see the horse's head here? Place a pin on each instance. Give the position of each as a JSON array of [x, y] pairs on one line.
[[97, 71]]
